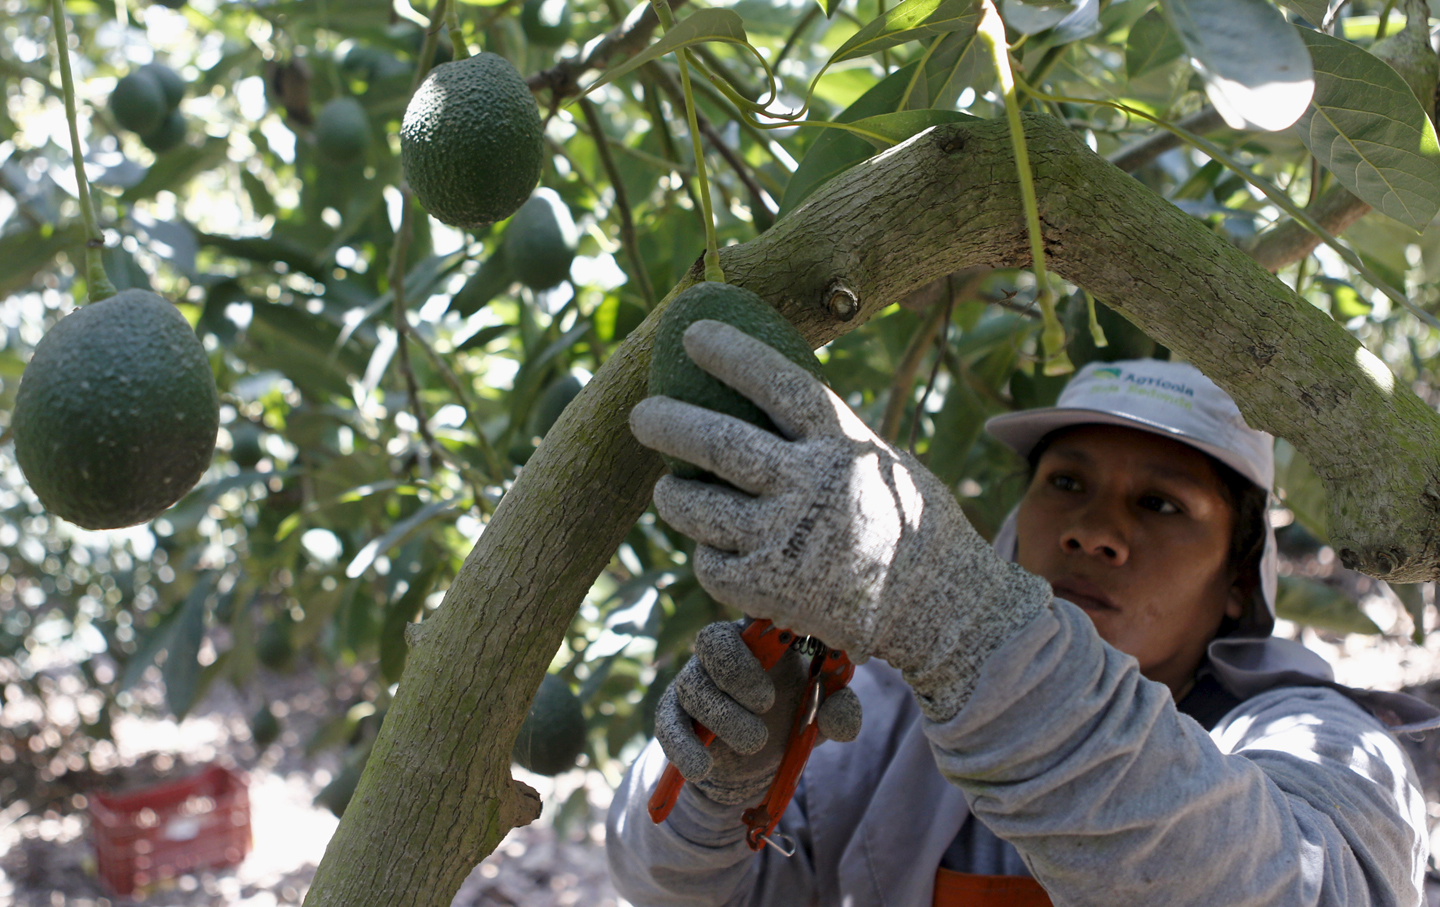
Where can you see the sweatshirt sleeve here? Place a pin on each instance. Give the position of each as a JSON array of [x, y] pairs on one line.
[[698, 856], [1299, 797]]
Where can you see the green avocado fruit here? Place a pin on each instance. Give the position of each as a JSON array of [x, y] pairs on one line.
[[674, 374], [342, 131], [169, 80], [546, 22], [116, 415], [552, 403], [170, 133], [138, 102], [553, 734], [264, 726], [541, 240], [471, 142]]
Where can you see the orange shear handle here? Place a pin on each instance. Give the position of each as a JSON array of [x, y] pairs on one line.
[[767, 643], [830, 670]]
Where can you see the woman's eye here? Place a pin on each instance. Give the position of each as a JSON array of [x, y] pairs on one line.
[[1065, 483], [1158, 504]]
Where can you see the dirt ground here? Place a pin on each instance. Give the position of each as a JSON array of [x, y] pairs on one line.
[[46, 859]]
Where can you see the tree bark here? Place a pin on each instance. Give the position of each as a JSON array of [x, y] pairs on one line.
[[437, 797]]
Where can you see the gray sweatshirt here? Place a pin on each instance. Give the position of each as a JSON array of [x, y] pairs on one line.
[[1110, 795]]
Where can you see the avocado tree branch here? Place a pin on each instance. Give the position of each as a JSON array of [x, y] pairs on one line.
[[437, 796], [629, 37], [1137, 154], [1288, 241]]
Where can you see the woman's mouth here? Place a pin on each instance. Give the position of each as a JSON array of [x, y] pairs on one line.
[[1083, 594]]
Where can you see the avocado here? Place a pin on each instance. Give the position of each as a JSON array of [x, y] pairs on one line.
[[545, 22], [138, 102], [553, 734], [342, 131], [674, 374], [116, 415], [471, 142], [169, 81], [552, 403], [541, 240], [170, 133], [264, 726]]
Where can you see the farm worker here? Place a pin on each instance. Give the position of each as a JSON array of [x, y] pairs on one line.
[[1091, 711]]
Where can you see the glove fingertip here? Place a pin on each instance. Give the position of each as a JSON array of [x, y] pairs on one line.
[[840, 716]]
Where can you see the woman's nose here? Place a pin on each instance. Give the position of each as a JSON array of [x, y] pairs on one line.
[[1098, 531]]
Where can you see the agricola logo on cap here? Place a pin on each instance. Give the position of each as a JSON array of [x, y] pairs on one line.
[[1143, 381]]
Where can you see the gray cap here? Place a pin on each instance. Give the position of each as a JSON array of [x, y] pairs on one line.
[[1172, 399]]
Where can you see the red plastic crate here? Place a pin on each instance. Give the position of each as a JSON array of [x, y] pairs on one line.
[[146, 836]]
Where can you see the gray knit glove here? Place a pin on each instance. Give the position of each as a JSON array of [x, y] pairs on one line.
[[834, 533], [725, 688]]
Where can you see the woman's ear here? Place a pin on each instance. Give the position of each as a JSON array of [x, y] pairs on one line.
[[1235, 601]]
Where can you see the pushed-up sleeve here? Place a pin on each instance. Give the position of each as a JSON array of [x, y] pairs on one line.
[[1298, 796]]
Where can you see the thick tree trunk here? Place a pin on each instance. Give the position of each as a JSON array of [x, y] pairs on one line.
[[437, 797]]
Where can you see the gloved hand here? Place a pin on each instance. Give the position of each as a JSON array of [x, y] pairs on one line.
[[725, 688], [833, 533]]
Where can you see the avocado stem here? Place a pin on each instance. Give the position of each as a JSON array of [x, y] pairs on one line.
[[97, 283], [992, 32], [457, 36], [712, 245]]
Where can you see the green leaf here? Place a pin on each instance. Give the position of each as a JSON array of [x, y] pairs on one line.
[[398, 615], [397, 534], [889, 129], [1314, 11], [1257, 72], [1366, 127], [483, 336], [1152, 45], [484, 285], [181, 671], [1033, 18], [1314, 604], [24, 253], [829, 6], [702, 25], [1412, 596], [910, 21], [957, 425], [834, 151], [1302, 489]]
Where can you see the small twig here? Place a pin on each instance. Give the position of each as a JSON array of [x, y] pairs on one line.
[[1008, 302], [904, 379], [492, 460], [1134, 156], [713, 137], [402, 322], [941, 340], [628, 239], [667, 140], [398, 252]]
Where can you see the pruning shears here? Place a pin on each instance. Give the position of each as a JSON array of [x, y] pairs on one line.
[[830, 671]]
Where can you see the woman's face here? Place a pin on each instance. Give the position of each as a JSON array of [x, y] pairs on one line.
[[1135, 529]]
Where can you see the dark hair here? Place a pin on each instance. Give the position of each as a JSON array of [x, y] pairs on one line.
[[1249, 503]]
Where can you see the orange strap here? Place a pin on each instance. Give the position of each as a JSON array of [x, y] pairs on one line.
[[963, 889]]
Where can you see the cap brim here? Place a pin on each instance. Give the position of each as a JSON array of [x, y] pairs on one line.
[[1023, 430]]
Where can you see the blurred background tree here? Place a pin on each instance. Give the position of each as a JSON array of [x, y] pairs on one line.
[[358, 464]]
